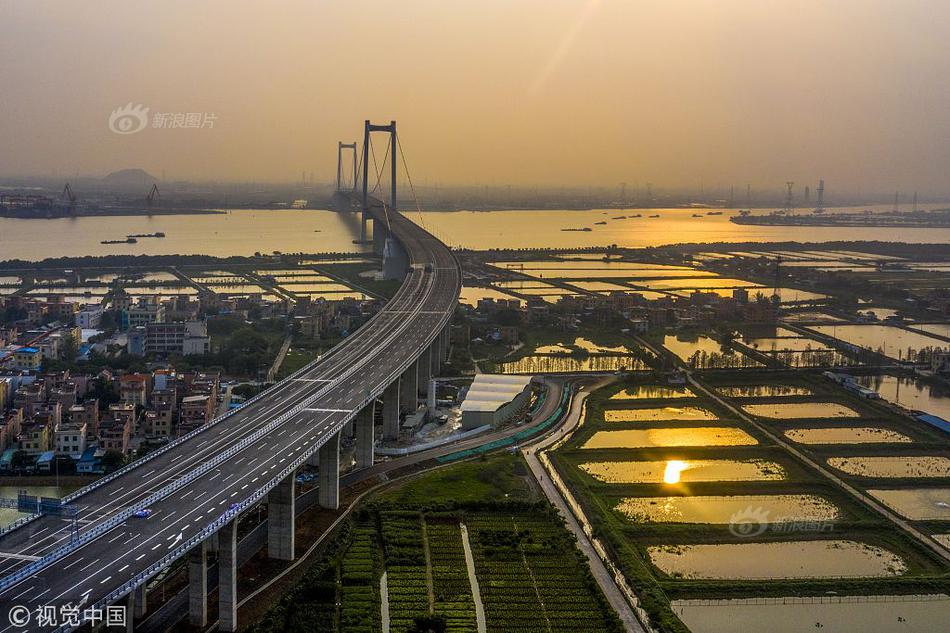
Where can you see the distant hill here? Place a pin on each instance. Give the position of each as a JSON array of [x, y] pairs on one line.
[[130, 178]]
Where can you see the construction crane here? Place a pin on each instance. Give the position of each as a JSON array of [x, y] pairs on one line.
[[152, 196], [70, 198]]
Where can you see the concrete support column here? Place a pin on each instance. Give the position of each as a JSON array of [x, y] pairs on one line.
[[446, 342], [280, 520], [425, 371], [349, 429], [141, 601], [129, 610], [379, 238], [408, 390], [365, 436], [198, 585], [436, 353], [391, 411], [227, 577], [329, 491]]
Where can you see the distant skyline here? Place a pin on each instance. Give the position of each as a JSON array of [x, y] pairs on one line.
[[548, 93]]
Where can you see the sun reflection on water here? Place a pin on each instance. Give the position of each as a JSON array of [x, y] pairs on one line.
[[673, 469]]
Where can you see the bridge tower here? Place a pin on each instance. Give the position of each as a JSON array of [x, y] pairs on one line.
[[339, 165], [369, 128]]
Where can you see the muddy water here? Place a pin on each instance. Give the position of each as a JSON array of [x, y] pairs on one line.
[[908, 466], [652, 391], [846, 435], [676, 471], [723, 509], [650, 438], [788, 559], [660, 413], [845, 614], [798, 410], [917, 504]]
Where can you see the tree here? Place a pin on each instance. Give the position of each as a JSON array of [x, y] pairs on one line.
[[428, 624], [20, 461], [69, 348], [112, 460]]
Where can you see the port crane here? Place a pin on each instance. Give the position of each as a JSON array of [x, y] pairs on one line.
[[70, 198], [152, 196]]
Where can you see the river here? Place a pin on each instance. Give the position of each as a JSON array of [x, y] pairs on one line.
[[246, 231]]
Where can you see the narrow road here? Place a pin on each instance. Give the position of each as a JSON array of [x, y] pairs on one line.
[[281, 355], [616, 596]]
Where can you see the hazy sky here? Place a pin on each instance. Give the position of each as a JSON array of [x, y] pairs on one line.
[[566, 92]]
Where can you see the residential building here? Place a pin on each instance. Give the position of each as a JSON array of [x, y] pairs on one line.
[[27, 359], [195, 412], [135, 388], [89, 317], [184, 338], [70, 439]]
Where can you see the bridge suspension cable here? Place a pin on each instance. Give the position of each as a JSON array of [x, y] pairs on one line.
[[412, 189]]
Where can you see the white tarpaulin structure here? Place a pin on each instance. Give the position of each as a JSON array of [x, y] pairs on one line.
[[493, 399]]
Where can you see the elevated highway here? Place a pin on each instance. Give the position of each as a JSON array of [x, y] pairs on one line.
[[196, 488]]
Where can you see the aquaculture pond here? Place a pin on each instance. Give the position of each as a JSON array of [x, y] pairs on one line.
[[910, 393], [891, 341], [800, 410], [917, 504], [675, 471], [784, 559], [659, 413], [761, 391], [840, 614], [652, 391], [650, 438], [724, 509], [904, 466], [846, 435]]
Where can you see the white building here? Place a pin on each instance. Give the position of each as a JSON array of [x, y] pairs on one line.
[[89, 317], [71, 440], [494, 399]]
